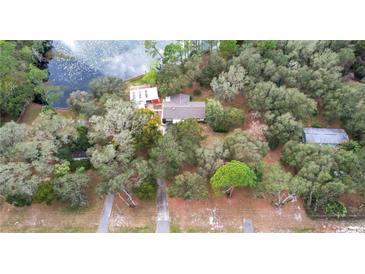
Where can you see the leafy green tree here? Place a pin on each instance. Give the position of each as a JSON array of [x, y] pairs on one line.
[[233, 174], [71, 188], [10, 134], [210, 158], [173, 53], [228, 48], [216, 64], [147, 133], [171, 79], [243, 148], [77, 100], [146, 191], [351, 145], [221, 119], [279, 100], [192, 67], [323, 173], [107, 85], [276, 183], [17, 183], [167, 157], [44, 193], [188, 135], [20, 79], [189, 186], [282, 129]]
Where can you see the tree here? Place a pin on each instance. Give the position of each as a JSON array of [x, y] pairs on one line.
[[216, 64], [228, 48], [116, 125], [347, 103], [282, 129], [171, 79], [188, 135], [221, 119], [44, 193], [188, 186], [243, 148], [71, 188], [277, 184], [123, 178], [266, 96], [223, 90], [107, 85], [147, 133], [233, 174], [152, 49], [323, 173], [166, 157], [173, 54], [77, 100], [20, 79], [210, 158], [10, 134], [192, 67], [17, 183]]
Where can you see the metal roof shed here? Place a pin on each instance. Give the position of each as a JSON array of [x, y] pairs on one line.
[[325, 136]]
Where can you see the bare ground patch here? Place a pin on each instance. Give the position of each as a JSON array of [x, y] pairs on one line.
[[139, 219], [55, 218]]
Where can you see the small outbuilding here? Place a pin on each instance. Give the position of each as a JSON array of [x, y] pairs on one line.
[[325, 136], [79, 155]]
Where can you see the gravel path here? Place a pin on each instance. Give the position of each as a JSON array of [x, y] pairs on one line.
[[163, 218]]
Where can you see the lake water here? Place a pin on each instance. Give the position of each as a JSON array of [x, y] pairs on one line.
[[76, 63]]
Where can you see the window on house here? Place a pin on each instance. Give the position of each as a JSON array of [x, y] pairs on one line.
[[146, 93]]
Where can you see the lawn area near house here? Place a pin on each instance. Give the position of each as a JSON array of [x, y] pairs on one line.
[[54, 218], [31, 113]]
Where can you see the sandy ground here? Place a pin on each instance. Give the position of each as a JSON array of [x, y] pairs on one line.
[[139, 219], [55, 218]]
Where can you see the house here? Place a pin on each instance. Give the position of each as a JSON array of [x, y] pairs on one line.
[[142, 96], [325, 136], [179, 107]]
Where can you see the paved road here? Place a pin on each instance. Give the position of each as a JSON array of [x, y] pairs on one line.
[[104, 219], [163, 219]]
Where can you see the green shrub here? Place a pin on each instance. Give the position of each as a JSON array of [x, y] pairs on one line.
[[351, 146], [146, 191], [44, 193], [189, 186], [197, 92], [316, 125], [258, 169], [335, 208], [18, 200], [190, 84]]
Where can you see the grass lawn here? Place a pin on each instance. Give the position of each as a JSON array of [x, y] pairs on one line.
[[30, 113], [136, 81]]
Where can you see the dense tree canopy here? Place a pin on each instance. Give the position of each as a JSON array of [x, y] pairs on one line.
[[20, 78], [323, 173], [222, 119], [243, 148], [233, 174], [189, 186]]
